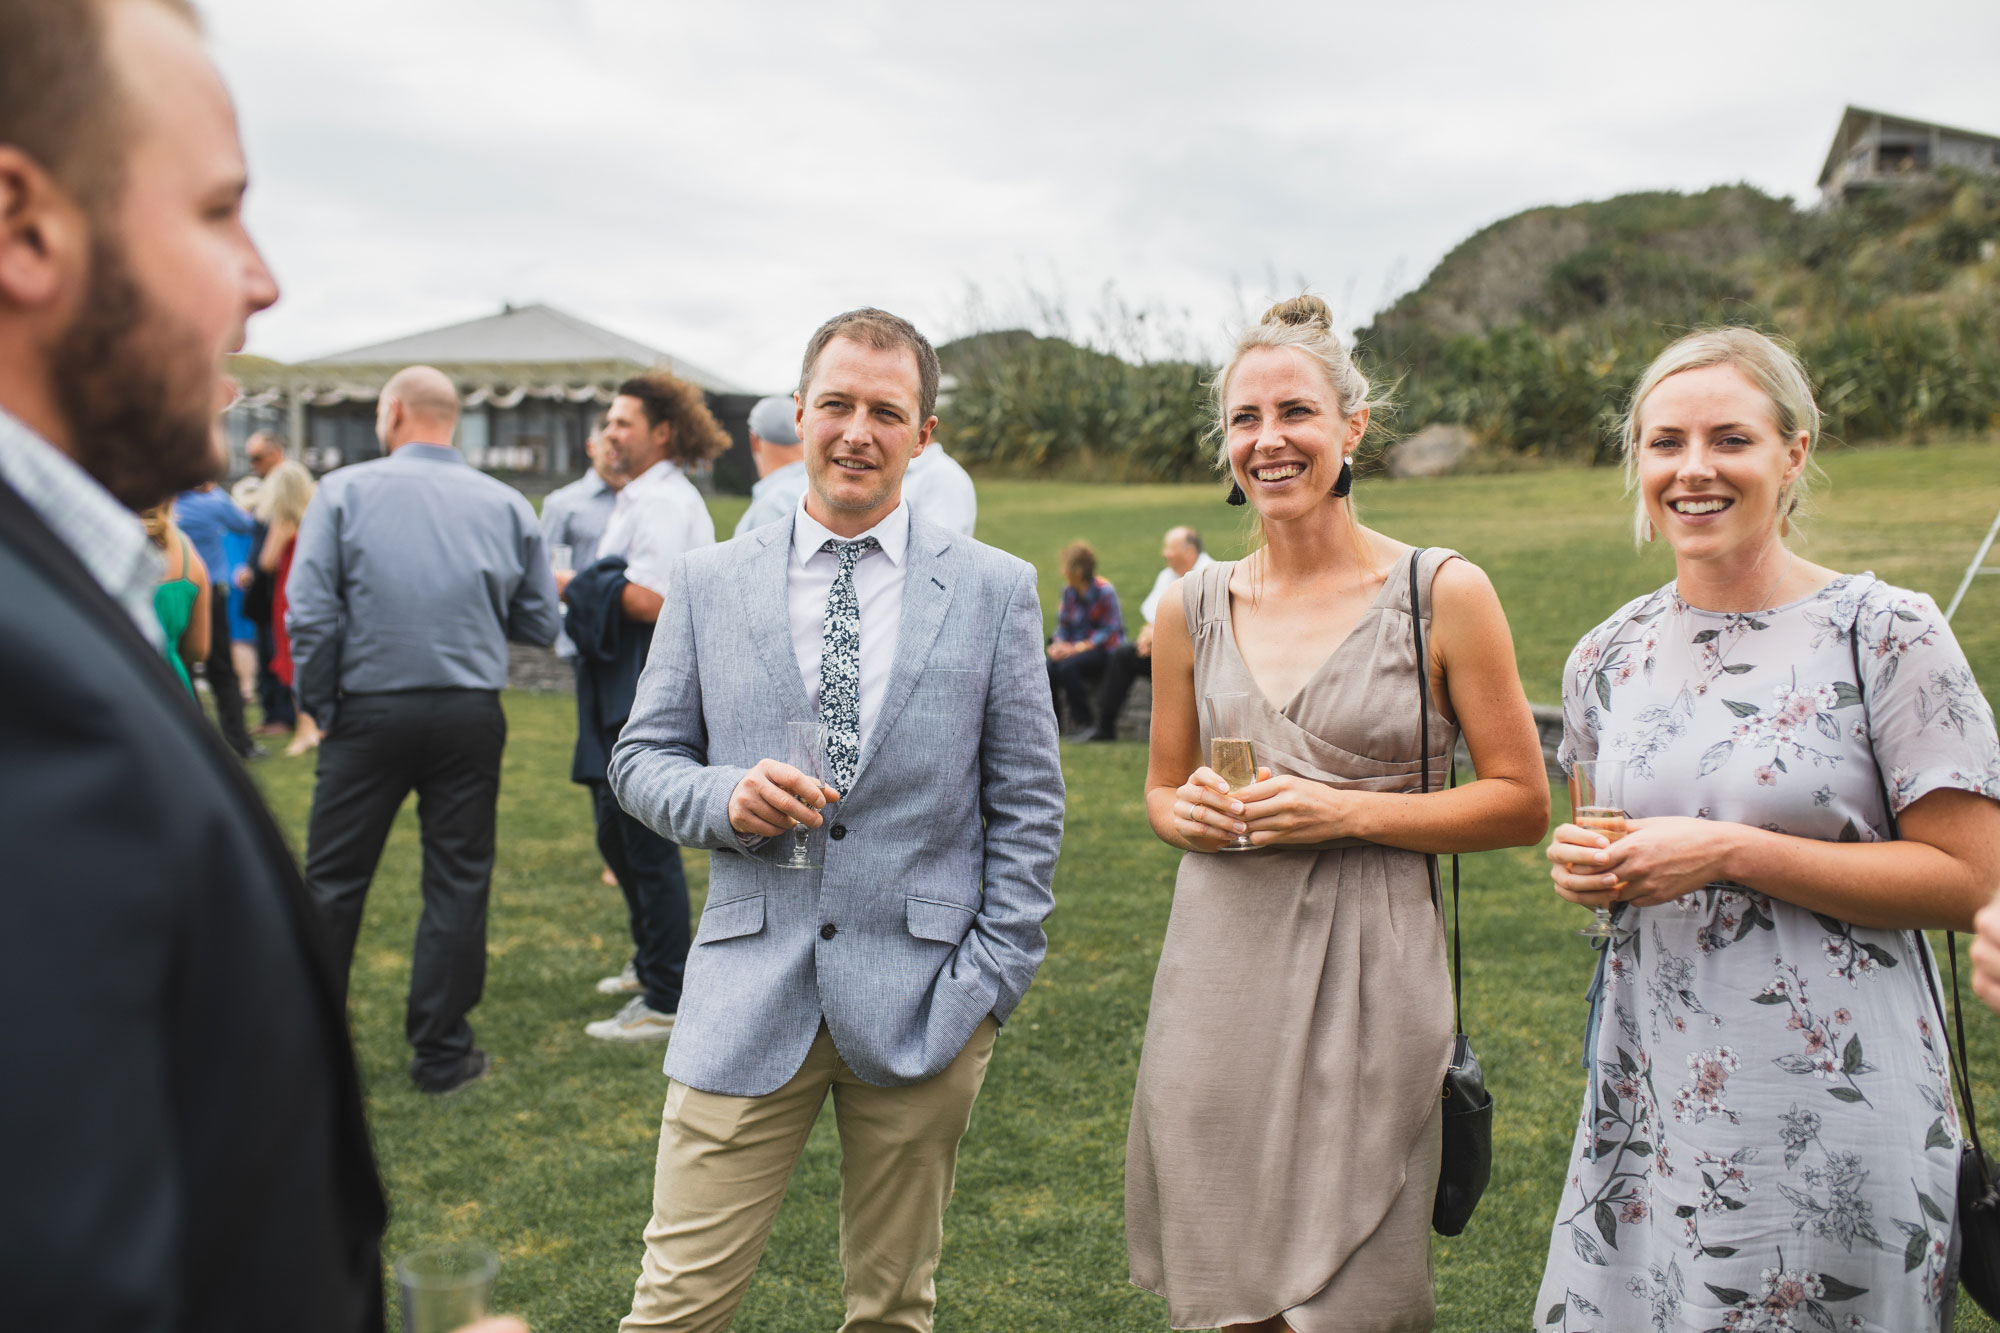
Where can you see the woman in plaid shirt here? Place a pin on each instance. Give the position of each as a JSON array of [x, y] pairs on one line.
[[1088, 627]]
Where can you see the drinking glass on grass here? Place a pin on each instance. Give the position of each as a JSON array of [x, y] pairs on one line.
[[1229, 751], [805, 746], [1597, 802]]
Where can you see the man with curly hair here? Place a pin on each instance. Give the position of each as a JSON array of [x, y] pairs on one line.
[[658, 427]]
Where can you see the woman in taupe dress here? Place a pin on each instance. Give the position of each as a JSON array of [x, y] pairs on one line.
[[1284, 1143]]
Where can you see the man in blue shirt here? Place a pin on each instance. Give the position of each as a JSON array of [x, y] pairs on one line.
[[412, 573], [205, 514]]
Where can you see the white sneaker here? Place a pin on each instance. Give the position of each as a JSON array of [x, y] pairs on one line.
[[634, 1023], [625, 983]]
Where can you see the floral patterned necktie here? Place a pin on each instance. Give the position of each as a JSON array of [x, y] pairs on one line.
[[840, 666]]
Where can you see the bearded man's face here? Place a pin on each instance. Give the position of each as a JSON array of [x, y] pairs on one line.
[[138, 390], [173, 275]]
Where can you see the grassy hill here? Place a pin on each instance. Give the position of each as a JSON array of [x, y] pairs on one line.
[[1533, 329]]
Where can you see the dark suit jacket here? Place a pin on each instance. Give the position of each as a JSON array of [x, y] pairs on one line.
[[610, 654], [182, 1144]]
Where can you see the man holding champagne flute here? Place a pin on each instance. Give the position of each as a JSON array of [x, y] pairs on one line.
[[878, 965]]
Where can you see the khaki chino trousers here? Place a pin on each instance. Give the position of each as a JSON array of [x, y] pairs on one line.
[[725, 1161]]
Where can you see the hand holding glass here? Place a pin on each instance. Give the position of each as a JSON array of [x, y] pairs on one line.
[[1597, 802], [1229, 752], [562, 559], [805, 743]]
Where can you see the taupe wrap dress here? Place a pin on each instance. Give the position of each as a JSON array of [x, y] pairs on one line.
[[1283, 1151]]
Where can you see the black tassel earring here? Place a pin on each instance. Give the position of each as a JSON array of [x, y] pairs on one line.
[[1345, 481], [1236, 495]]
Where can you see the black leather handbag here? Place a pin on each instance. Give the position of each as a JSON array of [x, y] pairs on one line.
[[1467, 1162], [1978, 1196]]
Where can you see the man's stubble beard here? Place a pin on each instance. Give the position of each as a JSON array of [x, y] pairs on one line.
[[137, 393]]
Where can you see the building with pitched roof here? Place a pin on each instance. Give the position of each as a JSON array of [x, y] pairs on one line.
[[532, 379], [1872, 148]]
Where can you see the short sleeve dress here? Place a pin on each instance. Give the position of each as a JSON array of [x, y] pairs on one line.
[[1284, 1144], [1768, 1139]]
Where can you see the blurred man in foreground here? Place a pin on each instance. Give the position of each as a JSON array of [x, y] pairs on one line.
[[183, 1124]]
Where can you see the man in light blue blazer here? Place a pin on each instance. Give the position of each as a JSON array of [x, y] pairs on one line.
[[881, 974]]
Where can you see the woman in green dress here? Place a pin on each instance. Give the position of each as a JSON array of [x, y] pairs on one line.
[[181, 599]]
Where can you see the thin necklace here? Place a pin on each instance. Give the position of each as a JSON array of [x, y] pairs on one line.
[[1763, 601]]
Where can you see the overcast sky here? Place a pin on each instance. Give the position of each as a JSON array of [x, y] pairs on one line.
[[716, 179]]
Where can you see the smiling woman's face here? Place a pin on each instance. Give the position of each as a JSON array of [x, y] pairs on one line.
[[1713, 468], [1286, 436]]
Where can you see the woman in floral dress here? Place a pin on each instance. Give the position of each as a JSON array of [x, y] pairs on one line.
[[1767, 1138]]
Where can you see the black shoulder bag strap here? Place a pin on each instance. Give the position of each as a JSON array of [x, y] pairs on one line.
[[1424, 735], [1465, 1157]]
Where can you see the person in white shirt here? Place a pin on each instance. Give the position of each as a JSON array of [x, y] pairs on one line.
[[941, 491], [1183, 554], [780, 459], [657, 427]]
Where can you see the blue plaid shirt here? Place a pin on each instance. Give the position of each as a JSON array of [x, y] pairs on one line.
[[1091, 617]]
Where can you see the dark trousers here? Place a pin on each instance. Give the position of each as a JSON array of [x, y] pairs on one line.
[[446, 744], [1070, 681], [274, 697], [221, 672], [1124, 667], [649, 873]]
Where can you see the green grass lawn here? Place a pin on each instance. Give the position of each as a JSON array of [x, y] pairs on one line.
[[550, 1160]]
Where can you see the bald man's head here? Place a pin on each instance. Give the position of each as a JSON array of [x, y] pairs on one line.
[[418, 405]]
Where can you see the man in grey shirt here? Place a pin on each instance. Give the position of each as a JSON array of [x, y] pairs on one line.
[[781, 465], [575, 515], [412, 573]]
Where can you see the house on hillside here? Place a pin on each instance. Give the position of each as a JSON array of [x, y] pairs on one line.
[[532, 379], [1872, 147]]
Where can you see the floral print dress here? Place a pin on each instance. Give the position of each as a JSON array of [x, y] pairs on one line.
[[1768, 1139]]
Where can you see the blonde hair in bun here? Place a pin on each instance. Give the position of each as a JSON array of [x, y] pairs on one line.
[[1305, 323]]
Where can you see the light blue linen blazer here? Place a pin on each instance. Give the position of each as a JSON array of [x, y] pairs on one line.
[[936, 866]]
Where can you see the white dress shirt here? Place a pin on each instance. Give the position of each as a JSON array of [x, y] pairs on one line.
[[657, 518], [103, 534], [1149, 609], [878, 589], [937, 488]]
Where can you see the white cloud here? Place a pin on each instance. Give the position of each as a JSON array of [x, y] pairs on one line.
[[717, 179]]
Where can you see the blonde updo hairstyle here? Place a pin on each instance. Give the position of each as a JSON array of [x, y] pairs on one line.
[[1766, 362], [1305, 324]]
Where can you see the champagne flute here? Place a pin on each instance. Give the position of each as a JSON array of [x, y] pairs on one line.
[[1597, 802], [805, 746], [1229, 750]]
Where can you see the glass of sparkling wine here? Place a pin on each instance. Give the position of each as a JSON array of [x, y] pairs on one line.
[[562, 558], [805, 747], [445, 1287], [1597, 802], [1229, 752]]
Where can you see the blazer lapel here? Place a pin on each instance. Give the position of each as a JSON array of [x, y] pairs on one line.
[[37, 544], [762, 591], [926, 599]]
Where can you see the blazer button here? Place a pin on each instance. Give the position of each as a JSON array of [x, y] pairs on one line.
[[837, 832], [827, 931]]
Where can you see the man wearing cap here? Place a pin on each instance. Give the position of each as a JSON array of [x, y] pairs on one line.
[[780, 459]]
